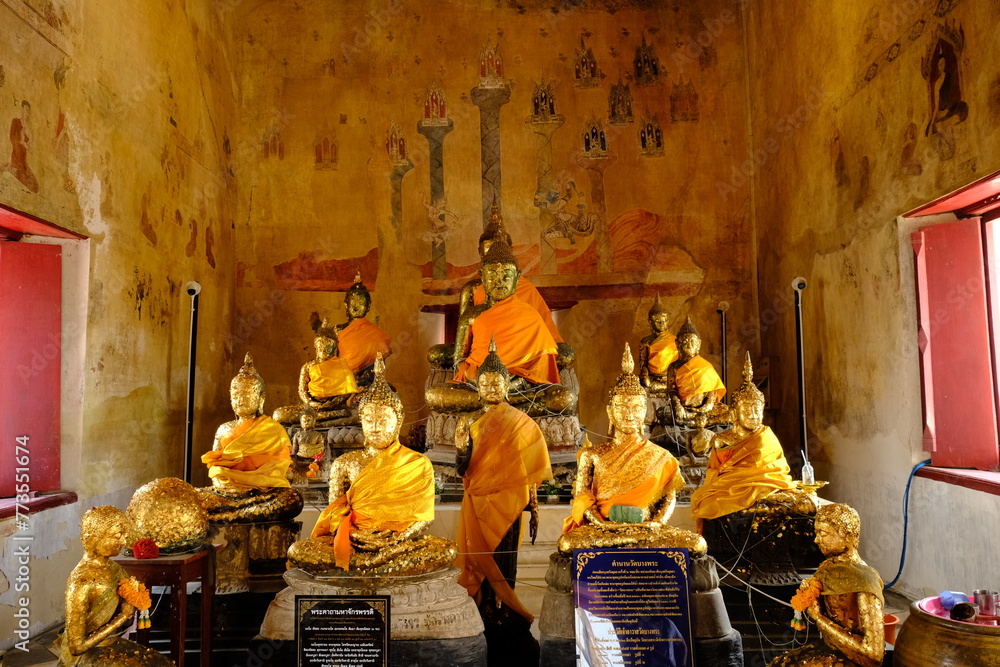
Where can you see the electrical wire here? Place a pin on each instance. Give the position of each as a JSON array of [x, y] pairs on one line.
[[906, 521]]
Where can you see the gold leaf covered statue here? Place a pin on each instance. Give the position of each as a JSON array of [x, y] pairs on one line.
[[502, 457], [95, 612], [169, 512], [696, 387], [345, 354], [523, 341], [381, 500], [249, 460], [657, 351], [625, 489], [848, 611], [747, 463]]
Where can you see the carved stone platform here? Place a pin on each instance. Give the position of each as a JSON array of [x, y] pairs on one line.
[[428, 606]]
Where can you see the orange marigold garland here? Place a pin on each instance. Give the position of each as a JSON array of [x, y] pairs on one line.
[[807, 595], [136, 594]]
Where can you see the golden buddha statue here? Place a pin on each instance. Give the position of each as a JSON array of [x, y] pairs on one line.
[[95, 611], [625, 489], [345, 353], [249, 460], [502, 457], [696, 388], [381, 500], [522, 339], [657, 351], [848, 607], [309, 459]]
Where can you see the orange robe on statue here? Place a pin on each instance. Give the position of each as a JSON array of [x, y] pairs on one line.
[[644, 471], [529, 294], [256, 454], [392, 492], [698, 376], [509, 456], [523, 342], [332, 377], [662, 353], [360, 341], [741, 475]]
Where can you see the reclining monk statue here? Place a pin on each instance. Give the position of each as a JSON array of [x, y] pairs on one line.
[[381, 501], [523, 341]]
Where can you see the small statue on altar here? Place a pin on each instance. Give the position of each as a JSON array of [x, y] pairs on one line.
[[381, 501], [844, 599], [625, 489], [522, 340], [96, 611], [696, 388], [249, 460], [359, 340], [657, 351], [747, 464], [502, 457], [309, 460]]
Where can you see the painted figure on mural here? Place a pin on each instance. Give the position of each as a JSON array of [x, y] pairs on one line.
[[20, 142], [940, 68]]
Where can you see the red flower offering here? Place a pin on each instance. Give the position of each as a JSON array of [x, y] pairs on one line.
[[145, 548]]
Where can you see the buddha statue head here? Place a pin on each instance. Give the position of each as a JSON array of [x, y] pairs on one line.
[[358, 299], [324, 344], [308, 419], [493, 378], [104, 531], [688, 340], [494, 231], [748, 401], [246, 391], [659, 318], [627, 405], [499, 271], [838, 529], [380, 410]]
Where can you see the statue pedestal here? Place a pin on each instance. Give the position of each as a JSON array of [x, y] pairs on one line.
[[427, 611], [256, 550]]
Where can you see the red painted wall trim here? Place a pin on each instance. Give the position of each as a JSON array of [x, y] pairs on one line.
[[988, 482]]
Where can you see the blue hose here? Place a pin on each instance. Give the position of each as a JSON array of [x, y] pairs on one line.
[[906, 520]]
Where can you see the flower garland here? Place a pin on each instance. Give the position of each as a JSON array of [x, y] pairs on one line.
[[145, 548], [808, 593], [314, 466], [136, 594]]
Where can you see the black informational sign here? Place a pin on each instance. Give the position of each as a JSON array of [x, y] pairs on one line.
[[633, 607], [342, 630]]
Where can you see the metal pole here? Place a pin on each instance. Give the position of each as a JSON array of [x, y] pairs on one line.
[[722, 309], [193, 290], [799, 284]]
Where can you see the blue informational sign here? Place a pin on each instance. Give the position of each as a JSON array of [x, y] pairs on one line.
[[633, 607]]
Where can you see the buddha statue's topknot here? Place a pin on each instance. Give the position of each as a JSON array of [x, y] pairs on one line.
[[628, 382], [358, 288], [688, 328], [493, 363], [500, 253], [248, 373], [380, 393], [657, 308], [495, 230], [748, 391]]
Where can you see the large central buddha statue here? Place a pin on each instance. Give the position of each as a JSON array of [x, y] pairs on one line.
[[523, 342], [249, 460], [625, 489], [381, 501]]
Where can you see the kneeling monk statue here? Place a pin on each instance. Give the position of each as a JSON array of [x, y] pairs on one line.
[[249, 460], [625, 489], [844, 596], [96, 612], [381, 500]]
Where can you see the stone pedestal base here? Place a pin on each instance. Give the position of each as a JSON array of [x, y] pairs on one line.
[[426, 607], [256, 549]]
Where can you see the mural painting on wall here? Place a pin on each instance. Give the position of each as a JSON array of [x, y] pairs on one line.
[[650, 137], [543, 123], [20, 142], [326, 149], [839, 161], [569, 214], [940, 67], [684, 103], [435, 125], [60, 147], [273, 144], [586, 73], [908, 163], [395, 144], [646, 65], [595, 143], [620, 104], [490, 95], [395, 147]]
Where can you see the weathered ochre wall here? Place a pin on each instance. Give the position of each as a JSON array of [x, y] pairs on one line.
[[123, 110], [343, 73], [845, 96]]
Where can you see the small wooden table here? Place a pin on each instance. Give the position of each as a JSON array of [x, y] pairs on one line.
[[176, 572]]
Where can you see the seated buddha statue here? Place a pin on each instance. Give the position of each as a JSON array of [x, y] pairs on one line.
[[657, 351], [95, 611], [308, 452], [523, 342], [249, 460], [625, 489], [345, 354], [381, 501], [696, 388], [848, 608]]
